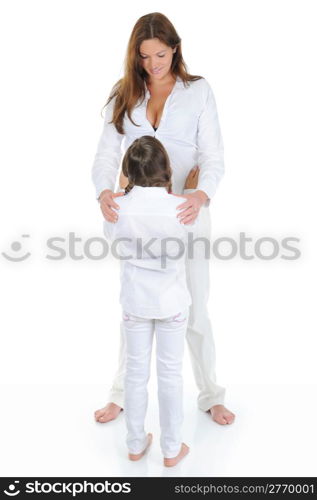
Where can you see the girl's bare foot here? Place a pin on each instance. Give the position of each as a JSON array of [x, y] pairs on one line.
[[221, 415], [171, 462], [109, 412], [135, 457]]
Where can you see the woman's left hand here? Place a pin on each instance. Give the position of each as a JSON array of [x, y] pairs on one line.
[[191, 206]]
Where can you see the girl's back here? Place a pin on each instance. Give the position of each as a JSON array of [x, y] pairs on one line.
[[151, 245]]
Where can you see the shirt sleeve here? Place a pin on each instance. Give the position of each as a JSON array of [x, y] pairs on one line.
[[108, 156], [210, 147]]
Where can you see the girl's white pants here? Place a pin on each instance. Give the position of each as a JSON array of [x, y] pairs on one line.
[[199, 333], [170, 334]]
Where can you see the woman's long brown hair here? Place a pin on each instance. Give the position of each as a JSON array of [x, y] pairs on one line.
[[129, 89]]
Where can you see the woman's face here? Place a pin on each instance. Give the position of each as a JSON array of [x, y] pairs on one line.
[[156, 58]]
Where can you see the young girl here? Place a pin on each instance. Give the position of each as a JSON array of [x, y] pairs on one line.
[[151, 243]]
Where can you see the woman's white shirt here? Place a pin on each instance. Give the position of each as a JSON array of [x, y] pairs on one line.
[[151, 244], [189, 130]]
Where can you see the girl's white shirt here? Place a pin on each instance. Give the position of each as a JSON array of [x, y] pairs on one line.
[[189, 130], [151, 244]]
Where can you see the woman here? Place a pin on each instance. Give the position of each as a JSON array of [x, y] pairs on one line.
[[158, 97]]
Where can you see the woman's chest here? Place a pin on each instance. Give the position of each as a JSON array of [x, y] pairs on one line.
[[176, 115], [155, 106]]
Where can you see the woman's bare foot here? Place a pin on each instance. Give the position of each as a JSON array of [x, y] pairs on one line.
[[135, 457], [221, 415], [171, 462], [109, 412]]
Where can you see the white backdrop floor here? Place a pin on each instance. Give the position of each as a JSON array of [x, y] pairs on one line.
[[49, 430]]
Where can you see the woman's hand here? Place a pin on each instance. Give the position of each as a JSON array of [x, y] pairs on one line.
[[106, 204], [192, 178], [191, 206]]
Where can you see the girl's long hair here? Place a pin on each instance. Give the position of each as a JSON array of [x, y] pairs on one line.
[[146, 163], [129, 89]]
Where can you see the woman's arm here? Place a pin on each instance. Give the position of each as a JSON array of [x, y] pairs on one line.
[[210, 147], [210, 160], [108, 156]]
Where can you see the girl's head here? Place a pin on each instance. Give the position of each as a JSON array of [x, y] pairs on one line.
[[154, 52], [146, 164]]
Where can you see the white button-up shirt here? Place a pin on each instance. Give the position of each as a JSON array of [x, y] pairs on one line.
[[189, 130], [151, 244]]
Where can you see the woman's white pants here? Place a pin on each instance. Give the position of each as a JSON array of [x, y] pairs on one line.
[[170, 334], [199, 333]]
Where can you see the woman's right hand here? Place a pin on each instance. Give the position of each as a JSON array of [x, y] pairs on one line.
[[107, 204]]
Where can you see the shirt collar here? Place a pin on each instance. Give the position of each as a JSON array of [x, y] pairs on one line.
[[149, 190]]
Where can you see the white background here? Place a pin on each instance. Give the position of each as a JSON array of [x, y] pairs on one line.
[[60, 318]]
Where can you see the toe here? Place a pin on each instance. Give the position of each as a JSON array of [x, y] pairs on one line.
[[222, 420], [230, 418], [106, 417], [219, 418]]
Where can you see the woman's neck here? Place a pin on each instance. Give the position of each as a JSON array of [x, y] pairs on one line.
[[156, 84]]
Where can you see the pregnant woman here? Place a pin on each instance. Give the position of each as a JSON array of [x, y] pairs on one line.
[[158, 97]]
